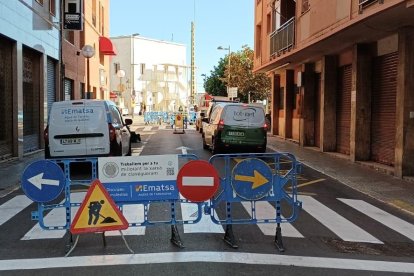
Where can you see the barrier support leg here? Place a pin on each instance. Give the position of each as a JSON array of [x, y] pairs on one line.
[[175, 237], [229, 236], [69, 243], [103, 239], [278, 239]]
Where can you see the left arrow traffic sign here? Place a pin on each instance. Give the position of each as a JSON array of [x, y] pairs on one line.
[[38, 180], [43, 181]]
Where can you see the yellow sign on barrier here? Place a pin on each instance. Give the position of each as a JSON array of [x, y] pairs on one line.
[[98, 212], [179, 123]]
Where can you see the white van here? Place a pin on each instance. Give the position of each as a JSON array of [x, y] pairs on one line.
[[86, 128]]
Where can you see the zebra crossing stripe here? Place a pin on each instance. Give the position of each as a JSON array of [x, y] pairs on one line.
[[132, 213], [342, 227], [205, 225], [265, 210], [393, 222], [13, 207], [55, 217]]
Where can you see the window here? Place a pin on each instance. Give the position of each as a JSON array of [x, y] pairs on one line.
[[94, 13], [52, 7], [268, 23], [117, 66], [258, 43]]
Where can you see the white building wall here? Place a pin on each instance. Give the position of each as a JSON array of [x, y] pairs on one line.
[[22, 24], [156, 70]]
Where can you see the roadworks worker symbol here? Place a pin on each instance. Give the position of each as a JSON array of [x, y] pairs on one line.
[[98, 212]]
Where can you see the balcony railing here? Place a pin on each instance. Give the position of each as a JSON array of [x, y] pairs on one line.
[[283, 38], [365, 3]]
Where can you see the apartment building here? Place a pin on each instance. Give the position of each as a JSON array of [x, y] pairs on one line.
[[342, 76], [149, 75], [95, 33], [29, 54]]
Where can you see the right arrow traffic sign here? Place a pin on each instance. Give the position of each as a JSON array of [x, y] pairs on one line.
[[198, 180]]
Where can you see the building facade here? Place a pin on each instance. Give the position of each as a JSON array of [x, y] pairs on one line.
[[29, 54], [149, 75], [342, 76], [95, 33]]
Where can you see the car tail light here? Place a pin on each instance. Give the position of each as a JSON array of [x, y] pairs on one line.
[[221, 124], [265, 126], [112, 132]]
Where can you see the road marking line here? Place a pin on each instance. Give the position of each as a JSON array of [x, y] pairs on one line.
[[391, 221], [206, 257], [147, 128], [205, 225], [13, 207], [55, 217], [311, 182], [133, 213], [265, 210], [342, 227]]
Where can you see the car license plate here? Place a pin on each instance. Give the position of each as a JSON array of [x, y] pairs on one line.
[[236, 133], [70, 141]]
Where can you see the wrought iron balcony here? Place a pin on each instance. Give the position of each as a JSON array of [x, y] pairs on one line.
[[283, 38], [365, 3]]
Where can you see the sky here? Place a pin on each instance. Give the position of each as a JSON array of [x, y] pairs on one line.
[[217, 23]]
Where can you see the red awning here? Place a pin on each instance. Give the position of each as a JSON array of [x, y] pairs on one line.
[[106, 47], [113, 95]]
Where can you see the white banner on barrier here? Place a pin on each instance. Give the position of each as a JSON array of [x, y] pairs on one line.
[[138, 168]]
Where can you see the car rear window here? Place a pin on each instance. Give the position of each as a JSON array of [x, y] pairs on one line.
[[243, 115]]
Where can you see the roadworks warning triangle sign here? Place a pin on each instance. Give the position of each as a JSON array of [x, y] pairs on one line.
[[98, 212]]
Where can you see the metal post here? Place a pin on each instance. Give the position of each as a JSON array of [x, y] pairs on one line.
[[88, 84]]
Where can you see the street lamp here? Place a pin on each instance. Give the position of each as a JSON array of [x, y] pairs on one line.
[[88, 51], [228, 73]]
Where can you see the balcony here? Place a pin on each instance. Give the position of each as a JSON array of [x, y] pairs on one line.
[[365, 3], [283, 38]]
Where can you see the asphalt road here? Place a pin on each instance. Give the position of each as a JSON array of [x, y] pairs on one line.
[[339, 231]]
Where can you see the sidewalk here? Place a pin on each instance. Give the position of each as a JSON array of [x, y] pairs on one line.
[[384, 187], [381, 186]]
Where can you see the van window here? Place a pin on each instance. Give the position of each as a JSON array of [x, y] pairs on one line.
[[214, 118], [240, 115], [116, 117]]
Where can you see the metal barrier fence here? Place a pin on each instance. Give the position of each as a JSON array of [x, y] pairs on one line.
[[243, 178]]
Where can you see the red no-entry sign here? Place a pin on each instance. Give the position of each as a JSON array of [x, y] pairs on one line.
[[198, 180]]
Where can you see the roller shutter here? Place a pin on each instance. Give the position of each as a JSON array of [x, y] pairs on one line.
[[31, 100], [6, 99], [383, 109], [51, 83], [343, 109]]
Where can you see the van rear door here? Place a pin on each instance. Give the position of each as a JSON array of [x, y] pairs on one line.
[[75, 127], [96, 129]]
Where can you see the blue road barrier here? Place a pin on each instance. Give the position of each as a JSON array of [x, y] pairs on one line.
[[244, 178]]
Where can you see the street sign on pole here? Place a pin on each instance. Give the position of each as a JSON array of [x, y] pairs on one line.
[[232, 92], [43, 181], [198, 180]]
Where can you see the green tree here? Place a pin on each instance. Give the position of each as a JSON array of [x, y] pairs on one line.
[[213, 84], [241, 76]]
